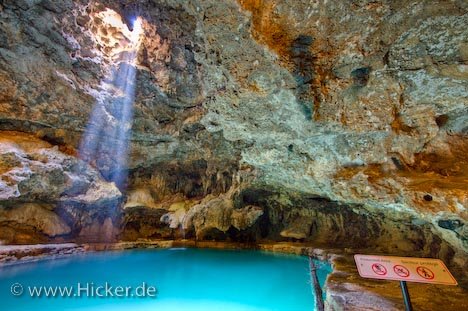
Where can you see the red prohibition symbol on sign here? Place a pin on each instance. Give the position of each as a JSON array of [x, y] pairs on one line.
[[425, 272], [401, 271], [379, 269]]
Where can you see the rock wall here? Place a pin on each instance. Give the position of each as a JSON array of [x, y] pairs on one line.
[[335, 122], [45, 194]]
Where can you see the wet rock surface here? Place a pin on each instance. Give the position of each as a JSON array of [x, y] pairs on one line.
[[17, 254], [334, 122]]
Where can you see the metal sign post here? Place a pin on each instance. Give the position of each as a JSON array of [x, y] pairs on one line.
[[406, 297], [404, 269]]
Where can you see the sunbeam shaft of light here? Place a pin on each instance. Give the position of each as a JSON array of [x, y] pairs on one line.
[[105, 143]]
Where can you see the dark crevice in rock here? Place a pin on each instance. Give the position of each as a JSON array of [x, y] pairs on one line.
[[141, 221], [361, 76], [450, 224], [398, 162], [303, 61], [428, 197], [442, 120], [191, 178]]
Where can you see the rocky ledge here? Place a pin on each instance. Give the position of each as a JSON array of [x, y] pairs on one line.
[[17, 254]]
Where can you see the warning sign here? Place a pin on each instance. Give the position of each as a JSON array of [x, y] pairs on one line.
[[401, 271], [379, 269], [423, 270], [425, 273]]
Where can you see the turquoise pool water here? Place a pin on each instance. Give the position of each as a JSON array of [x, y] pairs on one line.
[[185, 279]]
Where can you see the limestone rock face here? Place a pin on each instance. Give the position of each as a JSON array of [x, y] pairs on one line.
[[36, 216], [39, 183], [219, 214], [338, 122]]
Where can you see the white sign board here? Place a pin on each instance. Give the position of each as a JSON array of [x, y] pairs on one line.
[[422, 270]]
